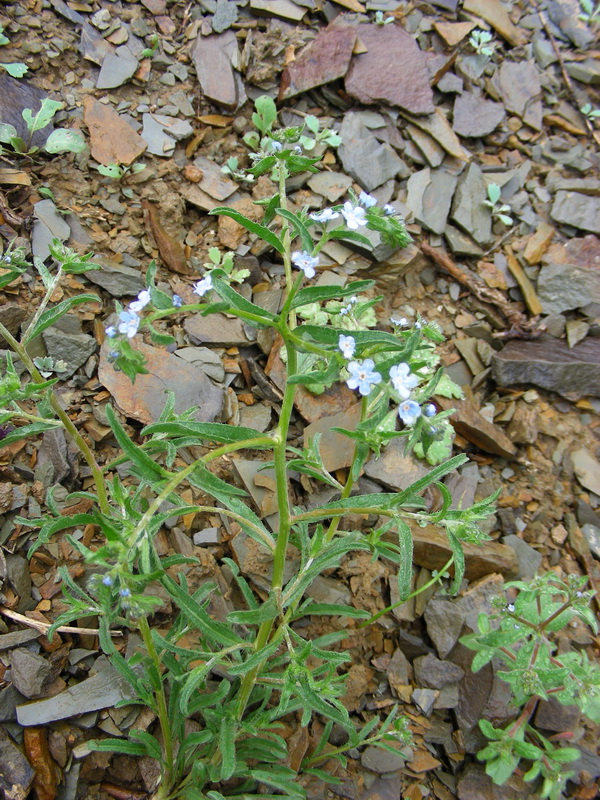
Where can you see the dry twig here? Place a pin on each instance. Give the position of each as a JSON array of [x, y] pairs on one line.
[[44, 627]]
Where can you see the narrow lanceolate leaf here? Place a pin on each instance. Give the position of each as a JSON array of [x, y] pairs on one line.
[[197, 616], [254, 227], [149, 469], [225, 291], [51, 315], [332, 609], [315, 294], [299, 227], [117, 746], [227, 747], [432, 477], [405, 541], [208, 431]]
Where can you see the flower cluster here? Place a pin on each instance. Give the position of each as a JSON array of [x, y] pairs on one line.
[[129, 319]]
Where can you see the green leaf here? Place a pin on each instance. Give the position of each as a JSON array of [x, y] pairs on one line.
[[299, 227], [117, 746], [254, 227], [405, 540], [316, 294], [43, 117], [331, 609], [296, 163], [459, 562], [255, 616], [160, 300], [7, 133], [51, 315], [147, 466], [266, 113], [263, 166], [350, 236], [27, 430], [432, 477], [207, 431], [204, 479], [153, 748], [227, 736], [217, 631], [16, 69], [64, 140], [110, 171], [225, 291], [493, 192]]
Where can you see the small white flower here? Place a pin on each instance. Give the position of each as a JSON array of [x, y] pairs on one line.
[[402, 322], [276, 146], [347, 345], [409, 412], [298, 150], [325, 215], [402, 380], [388, 210], [111, 331], [305, 262], [367, 200], [129, 323], [142, 300], [203, 286], [354, 215], [362, 376]]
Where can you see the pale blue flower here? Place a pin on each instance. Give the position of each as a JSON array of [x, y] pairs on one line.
[[141, 302], [418, 325], [129, 323], [389, 210], [107, 580], [276, 146], [409, 412], [367, 200], [203, 286], [429, 410], [402, 322], [298, 150], [402, 380], [347, 346], [354, 215], [111, 331], [305, 262], [362, 376], [325, 215], [177, 301], [125, 593]]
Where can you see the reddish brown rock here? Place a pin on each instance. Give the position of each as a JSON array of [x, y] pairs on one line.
[[112, 140], [393, 70], [325, 59]]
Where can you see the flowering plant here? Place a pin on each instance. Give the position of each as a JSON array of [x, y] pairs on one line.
[[237, 678]]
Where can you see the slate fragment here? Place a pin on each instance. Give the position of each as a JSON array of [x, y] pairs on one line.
[[468, 209], [146, 399], [587, 470], [48, 225], [325, 59], [579, 210], [393, 70], [16, 773], [117, 280], [116, 69], [430, 196], [550, 364], [45, 784], [369, 162], [17, 95], [29, 672], [565, 15], [562, 287], [520, 88], [432, 551], [112, 139], [73, 348], [474, 116], [214, 57], [336, 450], [225, 15], [467, 421], [216, 330], [494, 13]]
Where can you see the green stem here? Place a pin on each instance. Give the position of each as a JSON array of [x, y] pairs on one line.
[[335, 522], [161, 707], [32, 417], [174, 482], [43, 304], [431, 582], [70, 428]]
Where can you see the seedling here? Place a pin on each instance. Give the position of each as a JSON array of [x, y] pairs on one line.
[[497, 210], [381, 19], [61, 140], [590, 112], [481, 42], [148, 52], [119, 171]]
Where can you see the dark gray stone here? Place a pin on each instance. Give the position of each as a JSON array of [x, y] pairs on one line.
[[116, 70], [474, 116], [528, 559], [72, 348], [444, 624], [381, 761], [468, 209], [29, 672], [579, 210], [118, 281], [435, 674], [369, 162], [550, 363], [225, 15], [16, 773]]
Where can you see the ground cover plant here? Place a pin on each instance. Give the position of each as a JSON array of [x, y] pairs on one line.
[[220, 703]]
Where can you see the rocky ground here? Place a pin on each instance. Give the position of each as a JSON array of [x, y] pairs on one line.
[[427, 125]]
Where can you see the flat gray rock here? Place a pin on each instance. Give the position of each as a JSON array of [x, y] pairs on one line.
[[119, 281], [444, 624], [369, 162], [116, 70], [103, 690], [72, 348], [215, 57], [16, 773], [520, 89], [48, 225], [29, 672], [468, 209], [153, 133], [579, 210], [562, 287], [474, 116], [215, 329], [550, 364], [587, 470], [225, 15], [433, 673], [528, 559], [430, 195], [331, 185]]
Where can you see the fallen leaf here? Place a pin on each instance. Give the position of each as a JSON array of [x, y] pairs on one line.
[[170, 249], [45, 783]]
